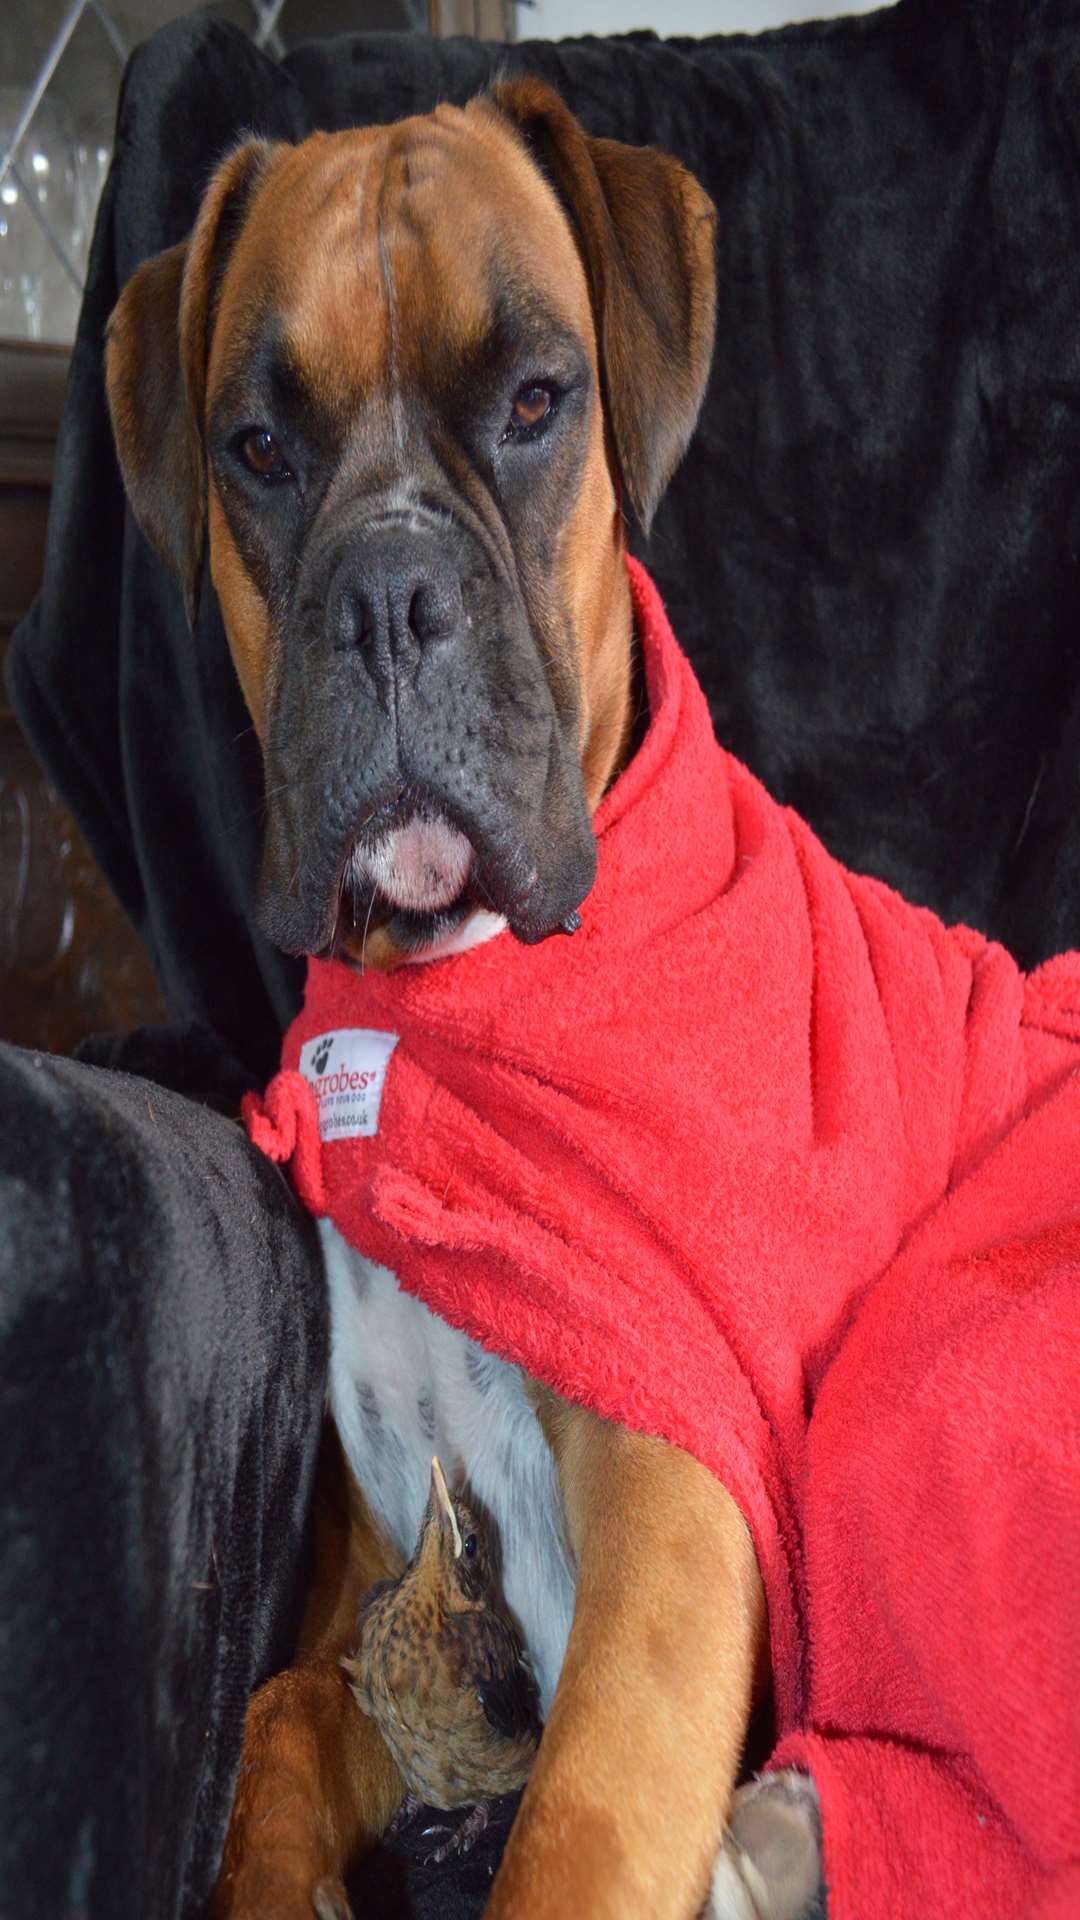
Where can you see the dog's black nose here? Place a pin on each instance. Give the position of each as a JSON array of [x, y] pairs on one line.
[[393, 595]]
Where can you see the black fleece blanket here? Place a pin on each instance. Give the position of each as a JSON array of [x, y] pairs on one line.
[[871, 554], [162, 1345]]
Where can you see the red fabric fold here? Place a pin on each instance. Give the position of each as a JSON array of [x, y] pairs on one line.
[[673, 1164], [284, 1124]]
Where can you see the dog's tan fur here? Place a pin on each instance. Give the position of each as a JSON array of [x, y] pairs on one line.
[[624, 1811]]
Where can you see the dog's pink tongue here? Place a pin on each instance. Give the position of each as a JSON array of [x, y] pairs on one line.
[[420, 867]]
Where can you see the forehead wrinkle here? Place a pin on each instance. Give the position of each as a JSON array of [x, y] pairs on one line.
[[332, 312], [343, 312], [392, 238], [458, 250], [460, 194], [386, 271]]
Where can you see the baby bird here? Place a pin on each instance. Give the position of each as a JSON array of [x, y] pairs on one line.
[[441, 1671]]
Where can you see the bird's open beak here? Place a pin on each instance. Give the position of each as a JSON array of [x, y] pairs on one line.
[[444, 1507]]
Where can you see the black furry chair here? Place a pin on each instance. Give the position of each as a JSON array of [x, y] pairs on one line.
[[871, 554]]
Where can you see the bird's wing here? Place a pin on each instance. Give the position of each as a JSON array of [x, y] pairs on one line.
[[504, 1684]]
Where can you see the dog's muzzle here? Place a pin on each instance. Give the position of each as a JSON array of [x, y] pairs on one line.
[[418, 761]]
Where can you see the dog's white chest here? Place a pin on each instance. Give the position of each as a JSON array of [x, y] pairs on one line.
[[404, 1385]]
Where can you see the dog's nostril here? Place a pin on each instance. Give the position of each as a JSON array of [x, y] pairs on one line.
[[380, 609], [435, 610]]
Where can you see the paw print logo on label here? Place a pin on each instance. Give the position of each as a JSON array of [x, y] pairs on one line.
[[347, 1070]]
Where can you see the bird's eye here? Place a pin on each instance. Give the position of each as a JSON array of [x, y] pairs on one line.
[[469, 1545], [261, 453], [533, 403]]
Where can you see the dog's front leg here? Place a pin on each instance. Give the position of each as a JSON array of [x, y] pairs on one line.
[[625, 1807], [316, 1783]]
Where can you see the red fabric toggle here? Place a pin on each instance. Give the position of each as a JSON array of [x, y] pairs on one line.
[[284, 1124]]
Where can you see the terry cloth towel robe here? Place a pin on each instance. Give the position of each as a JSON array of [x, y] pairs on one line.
[[773, 1164]]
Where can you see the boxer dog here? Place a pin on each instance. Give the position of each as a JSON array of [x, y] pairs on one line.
[[398, 384]]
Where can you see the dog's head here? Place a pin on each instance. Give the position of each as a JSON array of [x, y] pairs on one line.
[[399, 381]]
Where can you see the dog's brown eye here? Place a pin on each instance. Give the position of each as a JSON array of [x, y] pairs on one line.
[[531, 405], [263, 455]]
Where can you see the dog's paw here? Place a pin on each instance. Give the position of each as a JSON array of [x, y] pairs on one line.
[[770, 1865], [330, 1901]]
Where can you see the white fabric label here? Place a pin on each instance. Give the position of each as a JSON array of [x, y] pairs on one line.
[[348, 1071]]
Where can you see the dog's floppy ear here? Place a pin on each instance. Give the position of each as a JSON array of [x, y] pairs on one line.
[[645, 230], [156, 348]]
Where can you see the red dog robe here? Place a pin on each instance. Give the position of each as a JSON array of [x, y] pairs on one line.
[[768, 1162]]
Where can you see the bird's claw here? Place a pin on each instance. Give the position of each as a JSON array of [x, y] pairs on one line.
[[459, 1839], [407, 1811]]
